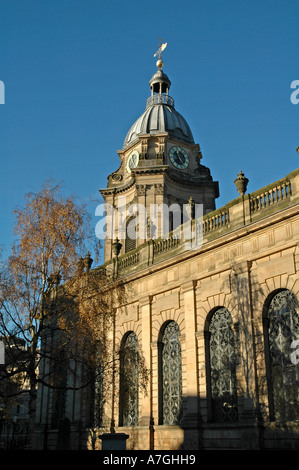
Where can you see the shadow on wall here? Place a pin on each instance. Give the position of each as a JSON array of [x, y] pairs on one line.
[[248, 432]]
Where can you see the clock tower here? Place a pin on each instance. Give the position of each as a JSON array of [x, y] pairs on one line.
[[160, 166]]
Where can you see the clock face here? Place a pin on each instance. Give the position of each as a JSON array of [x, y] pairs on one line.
[[133, 160], [179, 158]]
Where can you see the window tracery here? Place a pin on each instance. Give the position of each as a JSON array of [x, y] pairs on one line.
[[283, 328], [129, 381], [170, 375], [222, 367]]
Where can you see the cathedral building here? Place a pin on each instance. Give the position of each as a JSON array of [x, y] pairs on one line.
[[213, 308]]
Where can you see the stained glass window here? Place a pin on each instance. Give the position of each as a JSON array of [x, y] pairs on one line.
[[170, 375], [129, 381], [222, 367], [283, 328], [97, 408]]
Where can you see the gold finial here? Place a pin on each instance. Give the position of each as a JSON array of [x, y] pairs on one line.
[[159, 62]]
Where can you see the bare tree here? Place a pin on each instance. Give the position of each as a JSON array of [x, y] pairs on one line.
[[52, 233], [48, 290]]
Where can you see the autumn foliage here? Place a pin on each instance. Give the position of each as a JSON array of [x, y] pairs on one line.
[[37, 281], [51, 299]]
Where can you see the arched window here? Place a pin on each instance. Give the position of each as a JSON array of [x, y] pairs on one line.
[[60, 381], [97, 396], [129, 381], [170, 375], [222, 367], [130, 243], [282, 328]]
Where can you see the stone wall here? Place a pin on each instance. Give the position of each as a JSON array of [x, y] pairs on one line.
[[249, 251]]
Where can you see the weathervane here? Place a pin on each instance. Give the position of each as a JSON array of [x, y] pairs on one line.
[[159, 62]]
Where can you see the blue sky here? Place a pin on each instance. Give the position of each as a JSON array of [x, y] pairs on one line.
[[76, 76]]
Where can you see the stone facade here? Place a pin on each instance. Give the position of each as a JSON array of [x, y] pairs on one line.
[[248, 254], [240, 267], [242, 263]]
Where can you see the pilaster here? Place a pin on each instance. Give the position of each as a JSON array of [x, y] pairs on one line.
[[243, 326], [191, 373], [145, 308]]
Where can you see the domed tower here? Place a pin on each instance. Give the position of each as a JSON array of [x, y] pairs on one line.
[[160, 165]]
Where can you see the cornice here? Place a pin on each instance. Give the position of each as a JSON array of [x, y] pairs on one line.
[[118, 189], [187, 182]]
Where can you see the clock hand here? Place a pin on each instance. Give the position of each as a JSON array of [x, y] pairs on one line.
[[180, 158], [177, 157]]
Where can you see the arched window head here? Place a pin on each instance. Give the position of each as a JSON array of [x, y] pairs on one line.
[[283, 379], [222, 367], [129, 381], [170, 375]]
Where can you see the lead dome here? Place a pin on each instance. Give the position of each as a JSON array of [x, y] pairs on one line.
[[160, 114]]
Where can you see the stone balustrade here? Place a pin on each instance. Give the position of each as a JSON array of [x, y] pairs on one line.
[[215, 220], [272, 194], [242, 211]]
